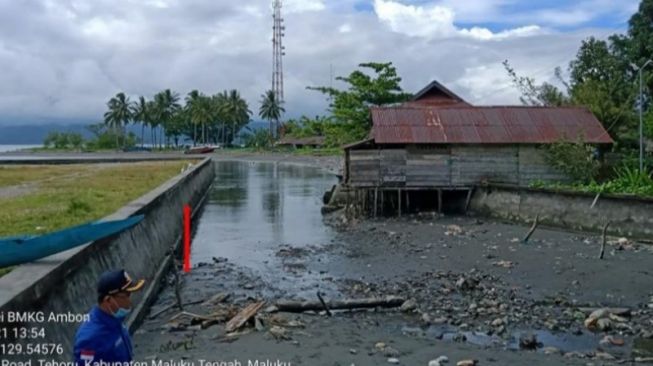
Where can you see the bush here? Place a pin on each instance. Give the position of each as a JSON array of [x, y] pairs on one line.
[[575, 159], [258, 139]]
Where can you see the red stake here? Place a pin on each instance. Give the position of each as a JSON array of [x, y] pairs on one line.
[[187, 214]]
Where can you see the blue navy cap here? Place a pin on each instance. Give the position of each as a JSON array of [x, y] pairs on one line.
[[112, 282]]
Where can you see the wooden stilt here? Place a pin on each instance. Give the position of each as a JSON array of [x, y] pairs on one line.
[[376, 199], [439, 201], [408, 202], [399, 200], [469, 198]]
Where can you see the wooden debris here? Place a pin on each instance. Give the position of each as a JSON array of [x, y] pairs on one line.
[[326, 307], [243, 316], [301, 306], [616, 311], [532, 230], [603, 239], [216, 299]]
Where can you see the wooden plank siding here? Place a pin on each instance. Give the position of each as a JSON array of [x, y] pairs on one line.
[[428, 167], [364, 168], [449, 166], [471, 165], [533, 167], [392, 167]]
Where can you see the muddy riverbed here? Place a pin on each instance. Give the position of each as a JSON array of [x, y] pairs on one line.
[[474, 290]]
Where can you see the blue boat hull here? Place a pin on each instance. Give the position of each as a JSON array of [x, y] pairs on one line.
[[19, 250]]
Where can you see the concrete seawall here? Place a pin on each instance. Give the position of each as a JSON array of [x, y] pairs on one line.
[[66, 282], [628, 216]]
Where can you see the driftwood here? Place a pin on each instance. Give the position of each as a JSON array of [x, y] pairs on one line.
[[216, 299], [615, 311], [326, 307], [243, 316], [532, 230], [300, 306], [603, 239], [172, 306]]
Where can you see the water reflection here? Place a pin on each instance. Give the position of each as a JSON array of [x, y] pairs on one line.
[[255, 207]]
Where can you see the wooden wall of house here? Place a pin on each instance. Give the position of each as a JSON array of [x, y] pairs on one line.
[[471, 164], [428, 166], [533, 167], [363, 168], [449, 166]]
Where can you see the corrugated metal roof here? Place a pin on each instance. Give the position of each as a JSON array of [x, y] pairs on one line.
[[485, 125]]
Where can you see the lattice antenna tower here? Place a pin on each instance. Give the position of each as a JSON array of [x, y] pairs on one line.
[[277, 51]]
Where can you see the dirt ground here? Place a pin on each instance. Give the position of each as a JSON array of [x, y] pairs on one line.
[[474, 291]]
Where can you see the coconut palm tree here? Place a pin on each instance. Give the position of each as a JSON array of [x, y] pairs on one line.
[[270, 109], [166, 105], [118, 115], [238, 113], [139, 114], [192, 105]]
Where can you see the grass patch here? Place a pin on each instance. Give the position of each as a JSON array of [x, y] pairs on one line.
[[61, 196]]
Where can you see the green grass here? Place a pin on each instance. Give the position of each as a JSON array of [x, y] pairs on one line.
[[59, 196], [331, 151]]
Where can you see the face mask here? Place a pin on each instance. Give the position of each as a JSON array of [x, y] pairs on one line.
[[121, 313]]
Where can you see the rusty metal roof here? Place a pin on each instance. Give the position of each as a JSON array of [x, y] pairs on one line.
[[485, 125]]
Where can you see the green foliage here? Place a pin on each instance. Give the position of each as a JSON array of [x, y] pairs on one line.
[[258, 139], [63, 140], [351, 107], [627, 180], [536, 95], [575, 159], [271, 109]]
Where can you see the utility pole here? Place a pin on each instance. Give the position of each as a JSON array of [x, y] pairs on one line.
[[277, 54], [641, 119]]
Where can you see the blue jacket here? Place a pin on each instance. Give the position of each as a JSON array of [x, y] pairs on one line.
[[102, 338]]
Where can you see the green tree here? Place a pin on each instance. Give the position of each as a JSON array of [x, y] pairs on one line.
[[140, 115], [236, 114], [351, 107], [118, 115], [76, 140], [167, 104], [270, 109], [192, 104]]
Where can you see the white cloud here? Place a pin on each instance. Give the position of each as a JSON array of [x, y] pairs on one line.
[[435, 21], [66, 58]]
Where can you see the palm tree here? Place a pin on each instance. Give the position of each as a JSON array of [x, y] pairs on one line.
[[118, 115], [152, 119], [270, 109], [166, 104], [239, 112], [192, 105], [140, 115]]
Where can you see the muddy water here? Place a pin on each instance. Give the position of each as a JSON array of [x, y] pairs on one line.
[[256, 206]]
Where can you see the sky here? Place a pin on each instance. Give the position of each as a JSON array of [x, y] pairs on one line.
[[63, 59]]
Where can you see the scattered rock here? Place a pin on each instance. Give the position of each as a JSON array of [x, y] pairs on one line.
[[453, 230], [467, 363], [408, 306], [497, 322], [393, 360], [551, 351], [504, 264], [439, 361], [379, 346], [528, 341], [603, 356], [391, 352]]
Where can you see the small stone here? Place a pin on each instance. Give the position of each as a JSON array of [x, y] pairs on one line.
[[391, 352], [528, 341], [466, 363], [604, 324], [393, 360], [353, 351], [603, 356], [497, 322], [408, 306], [380, 346], [551, 351]]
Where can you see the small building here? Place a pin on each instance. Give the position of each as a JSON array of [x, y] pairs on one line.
[[438, 142], [299, 142]]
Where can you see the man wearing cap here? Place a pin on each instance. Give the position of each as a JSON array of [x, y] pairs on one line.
[[104, 337]]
